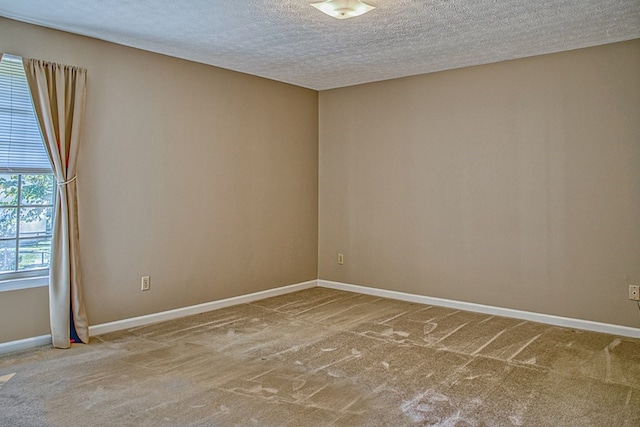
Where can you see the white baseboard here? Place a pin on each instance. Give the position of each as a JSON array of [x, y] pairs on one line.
[[487, 309], [133, 322], [24, 344]]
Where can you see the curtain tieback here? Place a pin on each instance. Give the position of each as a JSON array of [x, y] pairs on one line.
[[67, 182]]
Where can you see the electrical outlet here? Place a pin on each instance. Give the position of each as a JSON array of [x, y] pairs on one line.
[[634, 292], [340, 259], [146, 283]]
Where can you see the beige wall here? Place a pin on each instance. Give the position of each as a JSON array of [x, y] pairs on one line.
[[203, 178], [24, 313], [514, 184]]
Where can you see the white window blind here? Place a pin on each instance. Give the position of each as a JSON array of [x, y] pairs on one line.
[[21, 146]]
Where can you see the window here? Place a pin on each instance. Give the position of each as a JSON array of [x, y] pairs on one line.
[[27, 186], [26, 217]]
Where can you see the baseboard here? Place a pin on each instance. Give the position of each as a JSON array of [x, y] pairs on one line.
[[487, 309], [24, 344], [27, 343], [133, 322]]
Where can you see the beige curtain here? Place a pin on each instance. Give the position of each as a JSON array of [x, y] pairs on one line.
[[58, 93]]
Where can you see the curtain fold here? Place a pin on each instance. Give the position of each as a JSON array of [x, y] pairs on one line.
[[58, 93]]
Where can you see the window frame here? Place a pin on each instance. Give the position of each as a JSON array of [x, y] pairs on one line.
[[27, 163]]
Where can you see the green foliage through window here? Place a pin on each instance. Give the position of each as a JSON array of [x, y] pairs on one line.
[[26, 220]]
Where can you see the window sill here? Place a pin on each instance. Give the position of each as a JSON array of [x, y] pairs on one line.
[[26, 283]]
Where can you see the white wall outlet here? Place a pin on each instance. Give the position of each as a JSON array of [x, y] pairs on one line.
[[634, 292], [146, 283], [340, 259]]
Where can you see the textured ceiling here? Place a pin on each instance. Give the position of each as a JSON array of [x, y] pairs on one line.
[[290, 41]]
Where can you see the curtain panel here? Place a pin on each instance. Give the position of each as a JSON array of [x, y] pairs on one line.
[[58, 93]]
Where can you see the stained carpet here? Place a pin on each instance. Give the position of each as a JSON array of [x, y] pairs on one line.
[[325, 357]]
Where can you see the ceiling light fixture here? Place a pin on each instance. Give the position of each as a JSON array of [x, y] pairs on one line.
[[342, 9]]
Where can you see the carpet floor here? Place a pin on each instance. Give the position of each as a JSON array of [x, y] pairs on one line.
[[325, 357]]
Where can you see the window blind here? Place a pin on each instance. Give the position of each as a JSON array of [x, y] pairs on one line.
[[21, 146]]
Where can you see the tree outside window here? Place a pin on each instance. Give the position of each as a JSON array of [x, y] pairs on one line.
[[26, 217]]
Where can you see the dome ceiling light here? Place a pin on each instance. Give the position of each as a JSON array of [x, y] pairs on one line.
[[343, 9]]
